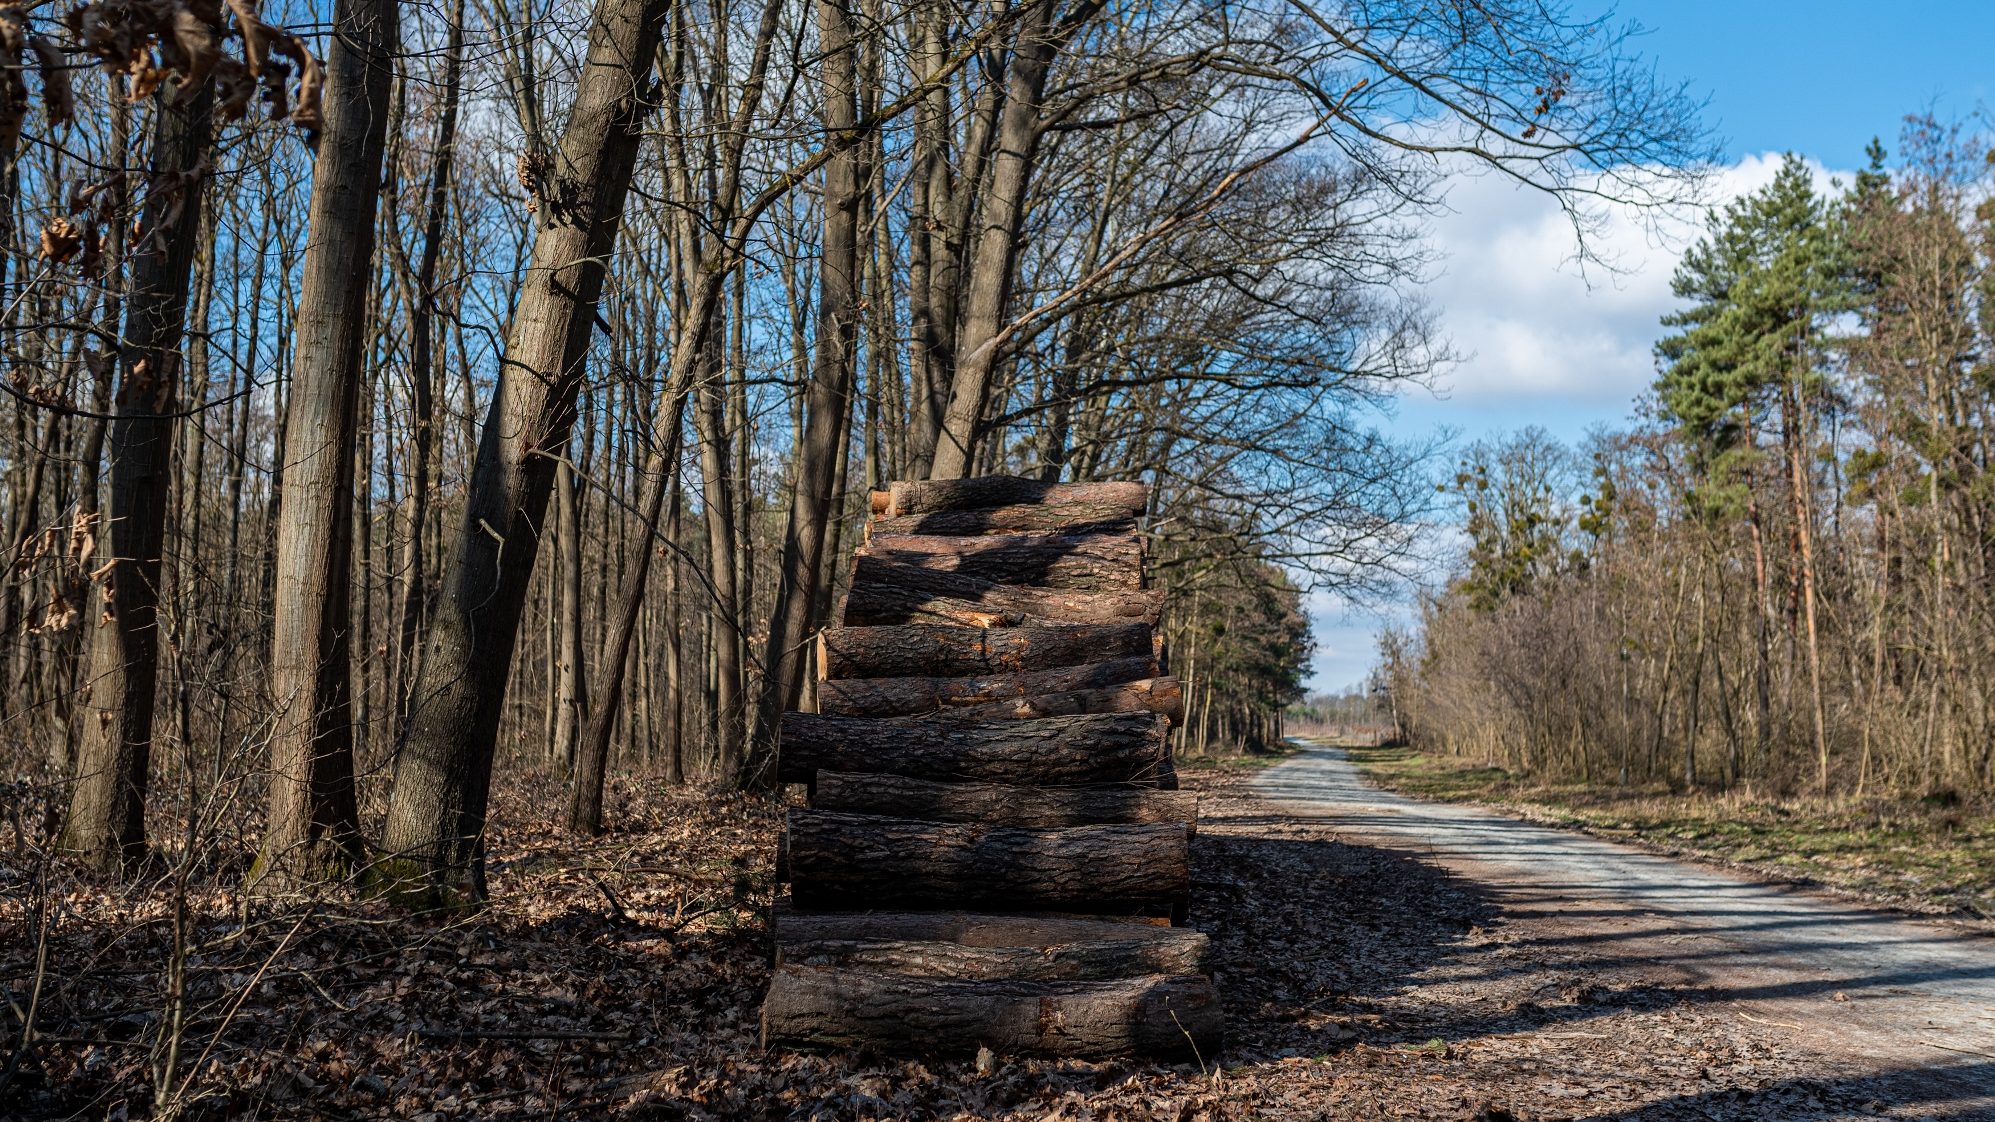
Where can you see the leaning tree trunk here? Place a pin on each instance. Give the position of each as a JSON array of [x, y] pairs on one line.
[[994, 259], [585, 785], [314, 830], [828, 399], [106, 822], [436, 815]]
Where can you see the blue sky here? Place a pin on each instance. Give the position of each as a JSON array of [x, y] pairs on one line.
[[1548, 347]]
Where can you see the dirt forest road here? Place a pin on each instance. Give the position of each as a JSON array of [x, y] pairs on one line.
[[1898, 1011]]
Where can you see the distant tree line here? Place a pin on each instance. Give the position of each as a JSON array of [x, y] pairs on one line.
[[1784, 575]]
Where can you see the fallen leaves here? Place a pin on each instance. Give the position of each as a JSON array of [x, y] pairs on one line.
[[1360, 984]]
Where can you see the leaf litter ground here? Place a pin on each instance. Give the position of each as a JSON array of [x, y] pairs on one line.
[[619, 978]]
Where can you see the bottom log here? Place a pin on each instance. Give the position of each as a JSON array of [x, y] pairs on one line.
[[1153, 1016]]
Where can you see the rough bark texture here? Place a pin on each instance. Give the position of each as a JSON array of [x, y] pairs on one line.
[[436, 816], [857, 860], [951, 651], [314, 831], [1154, 1015], [986, 947], [999, 804], [1096, 562], [824, 436], [1000, 218], [1072, 518], [1162, 696], [884, 592], [105, 825], [1110, 748], [905, 497], [894, 697]]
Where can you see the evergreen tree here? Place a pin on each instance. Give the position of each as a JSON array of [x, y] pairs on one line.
[[1765, 284]]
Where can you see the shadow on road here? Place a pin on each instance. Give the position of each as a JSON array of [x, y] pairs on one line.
[[1325, 944]]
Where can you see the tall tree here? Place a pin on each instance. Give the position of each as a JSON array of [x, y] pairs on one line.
[[314, 826], [823, 441], [434, 840], [1766, 280], [106, 820]]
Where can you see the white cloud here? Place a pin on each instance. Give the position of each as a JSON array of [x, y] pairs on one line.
[[1533, 325], [1542, 340]]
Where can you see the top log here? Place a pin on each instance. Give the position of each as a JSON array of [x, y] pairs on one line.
[[930, 496], [1089, 517]]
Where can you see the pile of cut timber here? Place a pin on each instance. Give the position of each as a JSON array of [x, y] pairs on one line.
[[995, 852]]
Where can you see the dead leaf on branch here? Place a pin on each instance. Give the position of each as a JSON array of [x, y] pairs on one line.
[[150, 41], [61, 240]]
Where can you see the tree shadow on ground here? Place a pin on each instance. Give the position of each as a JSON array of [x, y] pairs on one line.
[[1326, 948]]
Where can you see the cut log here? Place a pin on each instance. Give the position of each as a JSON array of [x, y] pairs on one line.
[[1162, 696], [1156, 1016], [1175, 949], [1065, 751], [861, 860], [1097, 562], [1118, 950], [931, 495], [947, 651], [898, 697], [1072, 518], [885, 592], [999, 804]]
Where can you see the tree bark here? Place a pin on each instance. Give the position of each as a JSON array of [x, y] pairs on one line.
[[828, 399], [571, 700], [1069, 518], [1092, 562], [436, 815], [884, 592], [314, 828], [1000, 218], [999, 804], [987, 947], [854, 860], [949, 651], [910, 497], [895, 697], [106, 820], [1095, 748], [585, 791], [422, 364], [1162, 696], [1154, 1015]]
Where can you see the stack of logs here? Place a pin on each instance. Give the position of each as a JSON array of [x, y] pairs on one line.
[[995, 852]]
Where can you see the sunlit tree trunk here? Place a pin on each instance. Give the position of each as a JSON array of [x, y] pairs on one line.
[[434, 840]]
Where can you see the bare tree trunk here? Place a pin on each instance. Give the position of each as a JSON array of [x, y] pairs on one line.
[[106, 821], [585, 792], [436, 818], [571, 682], [314, 830], [1000, 217], [828, 398], [1801, 486], [422, 362]]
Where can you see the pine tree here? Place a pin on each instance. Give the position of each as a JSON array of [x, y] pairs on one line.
[[1765, 284]]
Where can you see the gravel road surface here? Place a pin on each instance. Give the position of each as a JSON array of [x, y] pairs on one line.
[[1904, 1002]]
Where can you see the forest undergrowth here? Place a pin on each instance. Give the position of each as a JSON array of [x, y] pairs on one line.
[[619, 977], [1933, 854]]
